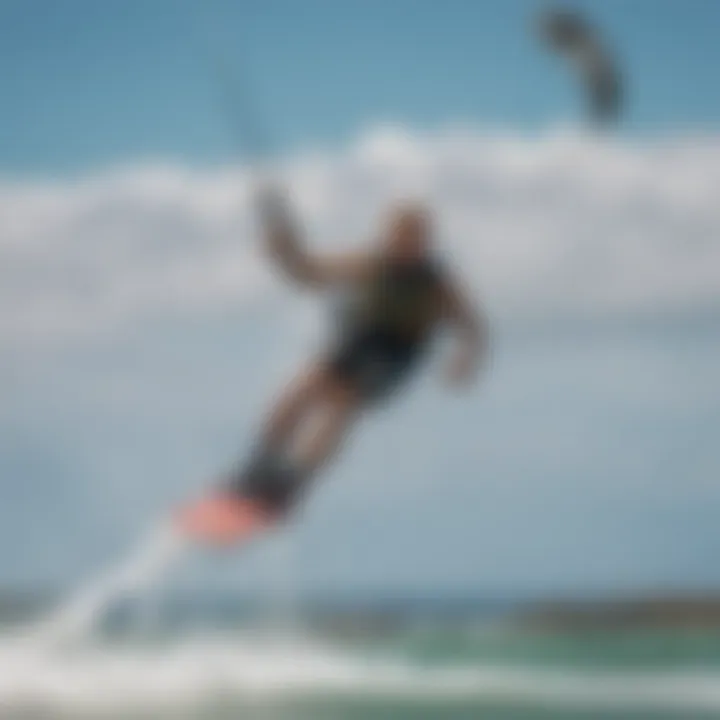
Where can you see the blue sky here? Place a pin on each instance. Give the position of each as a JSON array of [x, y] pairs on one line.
[[87, 84], [142, 334]]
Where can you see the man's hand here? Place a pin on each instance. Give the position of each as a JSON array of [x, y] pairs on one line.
[[273, 209], [285, 242], [463, 366]]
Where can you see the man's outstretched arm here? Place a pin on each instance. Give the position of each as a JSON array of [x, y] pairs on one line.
[[284, 241], [471, 325]]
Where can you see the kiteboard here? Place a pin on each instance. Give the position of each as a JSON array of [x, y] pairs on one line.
[[222, 519]]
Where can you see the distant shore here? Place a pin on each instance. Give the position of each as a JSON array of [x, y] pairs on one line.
[[648, 612], [381, 615]]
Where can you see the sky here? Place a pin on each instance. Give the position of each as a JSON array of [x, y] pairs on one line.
[[87, 84], [142, 333]]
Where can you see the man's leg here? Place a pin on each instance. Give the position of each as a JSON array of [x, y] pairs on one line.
[[337, 414], [290, 409], [227, 516], [269, 486], [273, 445], [277, 476]]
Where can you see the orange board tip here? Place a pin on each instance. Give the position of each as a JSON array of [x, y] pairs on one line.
[[222, 520]]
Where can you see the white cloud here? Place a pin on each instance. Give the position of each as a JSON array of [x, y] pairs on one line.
[[602, 445], [560, 224]]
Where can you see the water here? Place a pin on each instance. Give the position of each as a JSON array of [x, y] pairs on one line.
[[204, 676], [415, 667]]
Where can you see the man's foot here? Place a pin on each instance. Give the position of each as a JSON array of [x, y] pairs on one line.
[[223, 519]]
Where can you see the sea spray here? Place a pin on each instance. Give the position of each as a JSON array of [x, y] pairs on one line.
[[137, 574], [197, 673], [279, 589]]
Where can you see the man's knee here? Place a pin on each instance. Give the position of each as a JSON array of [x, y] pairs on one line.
[[302, 390]]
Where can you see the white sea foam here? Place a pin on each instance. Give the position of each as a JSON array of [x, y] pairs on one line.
[[98, 680]]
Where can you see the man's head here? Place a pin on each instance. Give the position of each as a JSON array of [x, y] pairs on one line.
[[407, 237]]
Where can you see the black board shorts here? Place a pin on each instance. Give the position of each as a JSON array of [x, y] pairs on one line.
[[374, 362]]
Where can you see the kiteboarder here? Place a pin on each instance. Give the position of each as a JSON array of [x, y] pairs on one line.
[[401, 294]]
